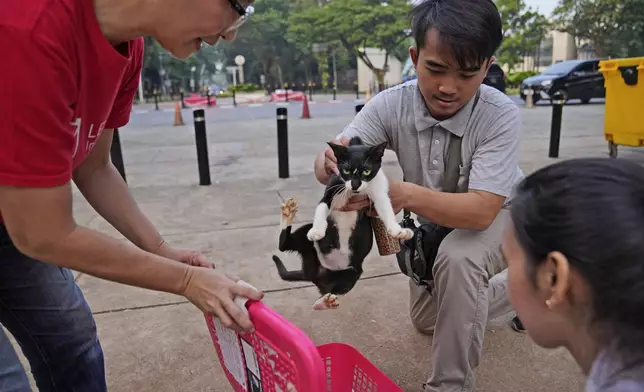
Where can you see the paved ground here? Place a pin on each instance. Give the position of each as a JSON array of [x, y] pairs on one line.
[[157, 342]]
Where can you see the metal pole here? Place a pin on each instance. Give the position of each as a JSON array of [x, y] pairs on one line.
[[335, 75], [116, 154], [282, 142], [202, 146], [555, 126]]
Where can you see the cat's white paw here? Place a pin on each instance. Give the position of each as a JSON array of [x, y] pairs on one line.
[[328, 301], [288, 209], [316, 233], [400, 233]]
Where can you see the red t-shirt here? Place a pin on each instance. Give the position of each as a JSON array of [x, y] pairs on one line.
[[61, 84]]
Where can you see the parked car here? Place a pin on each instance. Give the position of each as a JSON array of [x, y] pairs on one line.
[[495, 77], [575, 79]]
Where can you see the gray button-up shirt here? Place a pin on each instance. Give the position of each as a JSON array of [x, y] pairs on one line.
[[490, 145]]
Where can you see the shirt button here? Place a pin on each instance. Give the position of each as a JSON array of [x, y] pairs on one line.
[[435, 162], [436, 142]]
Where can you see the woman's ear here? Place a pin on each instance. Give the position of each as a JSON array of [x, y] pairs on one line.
[[553, 279]]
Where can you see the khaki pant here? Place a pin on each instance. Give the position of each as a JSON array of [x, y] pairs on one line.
[[469, 288]]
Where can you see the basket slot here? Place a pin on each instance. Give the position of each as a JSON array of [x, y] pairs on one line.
[[278, 371]]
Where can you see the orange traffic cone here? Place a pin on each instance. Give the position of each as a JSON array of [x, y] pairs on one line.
[[305, 108], [178, 119]]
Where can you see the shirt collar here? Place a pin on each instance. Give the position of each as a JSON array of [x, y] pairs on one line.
[[455, 124]]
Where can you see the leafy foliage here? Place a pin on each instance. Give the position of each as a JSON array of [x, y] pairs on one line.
[[516, 78], [356, 25], [615, 27], [523, 29], [296, 42], [177, 72]]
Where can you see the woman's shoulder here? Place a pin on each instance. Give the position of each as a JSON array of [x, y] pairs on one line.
[[610, 375]]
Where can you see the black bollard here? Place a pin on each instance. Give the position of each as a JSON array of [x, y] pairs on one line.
[[156, 100], [282, 142], [334, 93], [234, 98], [359, 108], [558, 101], [117, 155], [202, 146], [183, 104]]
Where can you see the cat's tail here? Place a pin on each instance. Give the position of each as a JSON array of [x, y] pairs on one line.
[[291, 276]]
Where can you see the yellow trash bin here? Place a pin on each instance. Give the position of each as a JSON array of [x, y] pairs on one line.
[[624, 116]]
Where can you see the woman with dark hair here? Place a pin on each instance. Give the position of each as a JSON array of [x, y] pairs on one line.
[[575, 253]]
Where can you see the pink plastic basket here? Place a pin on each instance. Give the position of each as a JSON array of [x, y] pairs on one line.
[[279, 357]]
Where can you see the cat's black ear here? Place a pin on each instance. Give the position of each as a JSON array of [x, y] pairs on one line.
[[377, 151], [339, 150]]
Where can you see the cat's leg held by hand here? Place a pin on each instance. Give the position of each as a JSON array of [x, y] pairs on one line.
[[328, 301], [318, 230], [381, 202]]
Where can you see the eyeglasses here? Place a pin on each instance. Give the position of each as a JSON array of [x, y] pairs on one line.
[[244, 13]]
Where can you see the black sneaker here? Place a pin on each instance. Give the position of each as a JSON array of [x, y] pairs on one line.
[[517, 325]]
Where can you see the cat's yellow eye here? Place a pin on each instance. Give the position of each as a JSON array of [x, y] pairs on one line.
[[346, 171], [366, 172]]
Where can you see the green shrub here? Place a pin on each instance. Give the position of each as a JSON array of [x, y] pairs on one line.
[[515, 78], [246, 88]]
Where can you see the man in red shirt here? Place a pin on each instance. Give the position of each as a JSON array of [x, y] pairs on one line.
[[69, 74]]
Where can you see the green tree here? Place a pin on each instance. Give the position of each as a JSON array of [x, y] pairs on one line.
[[523, 31], [160, 66], [267, 47], [356, 25], [629, 41], [598, 21]]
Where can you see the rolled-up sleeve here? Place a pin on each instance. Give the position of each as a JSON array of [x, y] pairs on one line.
[[495, 161]]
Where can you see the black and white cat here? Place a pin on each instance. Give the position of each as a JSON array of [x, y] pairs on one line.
[[334, 246]]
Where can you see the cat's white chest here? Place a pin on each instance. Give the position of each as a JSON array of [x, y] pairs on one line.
[[339, 259]]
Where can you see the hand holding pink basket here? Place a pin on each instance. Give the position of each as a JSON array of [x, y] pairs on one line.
[[278, 356]]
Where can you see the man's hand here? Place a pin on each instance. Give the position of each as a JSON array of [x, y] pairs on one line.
[[355, 203], [330, 161], [214, 293], [326, 163], [397, 193], [186, 256]]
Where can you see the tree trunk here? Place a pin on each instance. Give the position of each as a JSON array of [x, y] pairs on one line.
[[380, 76]]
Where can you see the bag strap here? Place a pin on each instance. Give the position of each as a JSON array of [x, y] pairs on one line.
[[454, 158]]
